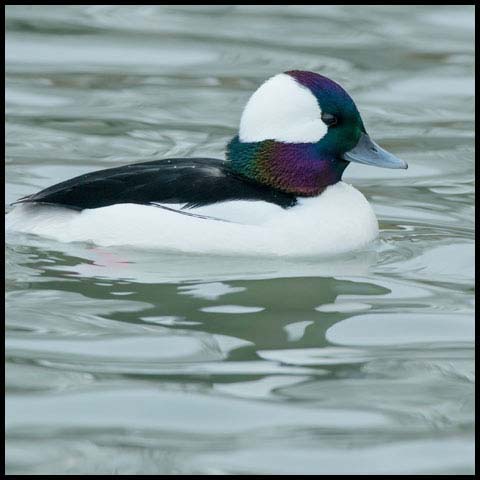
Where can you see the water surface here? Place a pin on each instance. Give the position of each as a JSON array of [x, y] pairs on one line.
[[130, 361]]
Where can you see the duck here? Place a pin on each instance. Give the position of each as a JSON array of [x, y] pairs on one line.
[[278, 191]]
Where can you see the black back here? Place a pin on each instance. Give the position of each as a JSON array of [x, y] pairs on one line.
[[193, 181]]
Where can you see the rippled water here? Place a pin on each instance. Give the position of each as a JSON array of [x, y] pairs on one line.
[[123, 361]]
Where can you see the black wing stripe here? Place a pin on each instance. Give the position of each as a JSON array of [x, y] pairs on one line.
[[189, 214]]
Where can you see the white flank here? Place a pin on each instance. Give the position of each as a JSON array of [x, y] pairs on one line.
[[281, 109], [338, 220]]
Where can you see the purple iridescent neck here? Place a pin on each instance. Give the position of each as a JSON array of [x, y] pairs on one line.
[[296, 168]]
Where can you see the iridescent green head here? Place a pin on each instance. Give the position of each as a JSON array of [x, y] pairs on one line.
[[298, 133]]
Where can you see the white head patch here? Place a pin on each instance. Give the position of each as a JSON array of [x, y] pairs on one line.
[[281, 109]]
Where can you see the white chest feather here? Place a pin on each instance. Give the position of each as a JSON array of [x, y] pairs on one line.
[[339, 220]]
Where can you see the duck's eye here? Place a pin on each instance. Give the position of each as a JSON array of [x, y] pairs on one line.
[[329, 119]]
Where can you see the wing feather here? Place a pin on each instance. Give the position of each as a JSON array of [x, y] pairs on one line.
[[194, 182]]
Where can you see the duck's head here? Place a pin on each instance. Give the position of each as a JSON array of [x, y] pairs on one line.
[[299, 131]]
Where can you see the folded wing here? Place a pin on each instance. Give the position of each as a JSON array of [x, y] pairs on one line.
[[191, 181]]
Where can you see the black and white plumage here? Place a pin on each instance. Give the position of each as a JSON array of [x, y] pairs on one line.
[[192, 182], [280, 192]]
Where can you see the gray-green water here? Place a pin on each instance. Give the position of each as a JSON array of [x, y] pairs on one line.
[[123, 361]]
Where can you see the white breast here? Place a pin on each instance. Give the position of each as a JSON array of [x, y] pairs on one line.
[[339, 220]]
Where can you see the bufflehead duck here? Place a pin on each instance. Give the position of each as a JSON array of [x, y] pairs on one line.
[[278, 192]]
